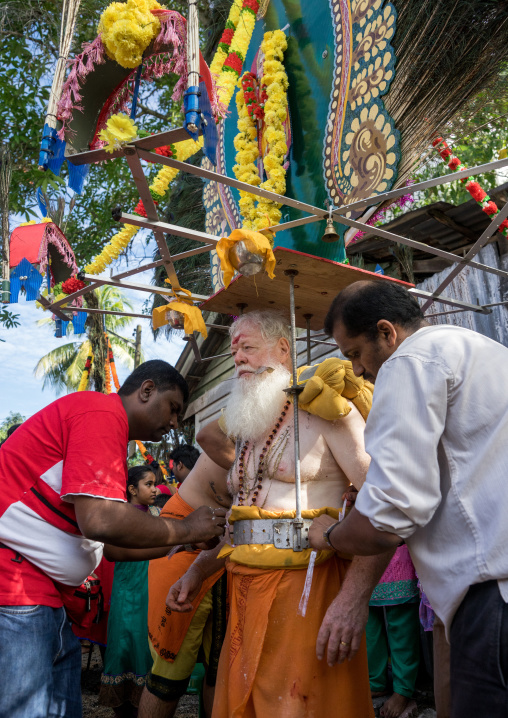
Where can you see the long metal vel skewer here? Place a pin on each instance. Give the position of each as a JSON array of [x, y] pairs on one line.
[[294, 391]]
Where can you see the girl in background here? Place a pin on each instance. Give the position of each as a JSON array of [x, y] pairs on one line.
[[128, 658]]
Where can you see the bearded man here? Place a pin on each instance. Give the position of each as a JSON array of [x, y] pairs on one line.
[[268, 663]]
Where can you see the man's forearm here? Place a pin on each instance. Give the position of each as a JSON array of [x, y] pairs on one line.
[[208, 563], [356, 535], [115, 553], [364, 573], [120, 524]]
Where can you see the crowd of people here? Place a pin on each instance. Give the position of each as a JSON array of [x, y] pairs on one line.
[[402, 460]]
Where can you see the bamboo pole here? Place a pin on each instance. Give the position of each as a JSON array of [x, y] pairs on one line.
[[70, 10], [193, 53], [5, 181]]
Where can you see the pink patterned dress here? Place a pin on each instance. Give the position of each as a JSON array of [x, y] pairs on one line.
[[399, 583]]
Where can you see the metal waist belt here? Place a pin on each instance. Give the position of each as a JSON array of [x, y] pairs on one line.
[[279, 532]]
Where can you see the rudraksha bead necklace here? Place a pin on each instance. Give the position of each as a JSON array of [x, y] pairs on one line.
[[259, 475]]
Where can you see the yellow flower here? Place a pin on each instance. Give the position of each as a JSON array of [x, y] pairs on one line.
[[127, 29], [119, 130]]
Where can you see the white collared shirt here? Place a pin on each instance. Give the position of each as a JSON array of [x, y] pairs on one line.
[[438, 438]]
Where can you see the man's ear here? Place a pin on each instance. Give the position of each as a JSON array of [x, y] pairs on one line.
[[146, 390], [388, 332], [284, 349]]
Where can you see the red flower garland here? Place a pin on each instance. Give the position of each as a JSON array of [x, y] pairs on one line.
[[233, 62], [477, 193], [250, 89], [71, 285], [252, 5], [140, 208], [167, 151], [227, 36]]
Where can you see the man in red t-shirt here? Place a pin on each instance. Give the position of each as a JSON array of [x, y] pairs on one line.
[[64, 475]]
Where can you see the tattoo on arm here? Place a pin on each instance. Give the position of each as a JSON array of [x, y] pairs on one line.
[[225, 501]]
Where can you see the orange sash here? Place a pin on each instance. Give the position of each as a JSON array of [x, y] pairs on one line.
[[167, 629]]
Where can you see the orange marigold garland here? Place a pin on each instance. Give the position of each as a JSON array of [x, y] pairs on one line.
[[112, 365], [107, 375], [477, 193], [149, 458]]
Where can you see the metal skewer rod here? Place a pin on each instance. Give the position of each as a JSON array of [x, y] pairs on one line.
[[307, 318], [295, 391]]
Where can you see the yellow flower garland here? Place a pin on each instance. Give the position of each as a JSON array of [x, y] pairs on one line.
[[127, 28], [244, 23], [261, 213], [221, 55]]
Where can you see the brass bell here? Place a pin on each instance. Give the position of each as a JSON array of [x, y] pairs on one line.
[[330, 235]]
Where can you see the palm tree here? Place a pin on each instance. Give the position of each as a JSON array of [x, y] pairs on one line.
[[62, 367]]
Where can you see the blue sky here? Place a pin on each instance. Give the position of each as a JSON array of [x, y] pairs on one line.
[[23, 346]]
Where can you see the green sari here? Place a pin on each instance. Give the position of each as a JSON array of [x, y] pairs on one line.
[[128, 658]]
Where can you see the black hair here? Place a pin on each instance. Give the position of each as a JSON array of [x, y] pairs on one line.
[[185, 453], [363, 304], [135, 474], [12, 429], [156, 468], [163, 375]]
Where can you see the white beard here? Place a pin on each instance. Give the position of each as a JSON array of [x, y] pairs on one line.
[[255, 404]]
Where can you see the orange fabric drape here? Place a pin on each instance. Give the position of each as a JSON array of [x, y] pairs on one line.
[[268, 664], [167, 629]]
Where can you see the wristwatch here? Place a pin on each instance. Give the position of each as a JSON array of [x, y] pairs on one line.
[[326, 534]]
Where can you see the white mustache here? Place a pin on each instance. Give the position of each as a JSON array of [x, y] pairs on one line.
[[246, 367]]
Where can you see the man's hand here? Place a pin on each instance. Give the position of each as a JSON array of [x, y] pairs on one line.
[[184, 591], [204, 524], [316, 531], [351, 495], [342, 629]]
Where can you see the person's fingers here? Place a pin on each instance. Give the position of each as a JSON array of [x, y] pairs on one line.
[[344, 646], [356, 641], [322, 640], [334, 647], [183, 591], [220, 513], [173, 600]]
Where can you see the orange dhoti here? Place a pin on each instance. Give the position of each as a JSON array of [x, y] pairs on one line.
[[268, 665]]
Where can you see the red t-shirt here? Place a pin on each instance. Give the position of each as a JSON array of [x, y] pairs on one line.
[[76, 445]]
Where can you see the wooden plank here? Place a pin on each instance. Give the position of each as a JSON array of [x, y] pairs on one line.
[[318, 282]]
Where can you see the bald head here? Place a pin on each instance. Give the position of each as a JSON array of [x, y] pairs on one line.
[[362, 305]]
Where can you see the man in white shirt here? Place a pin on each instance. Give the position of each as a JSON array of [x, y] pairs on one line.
[[438, 440]]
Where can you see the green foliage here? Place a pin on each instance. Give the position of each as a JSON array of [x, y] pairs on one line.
[[12, 418], [61, 368], [476, 137], [8, 319]]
